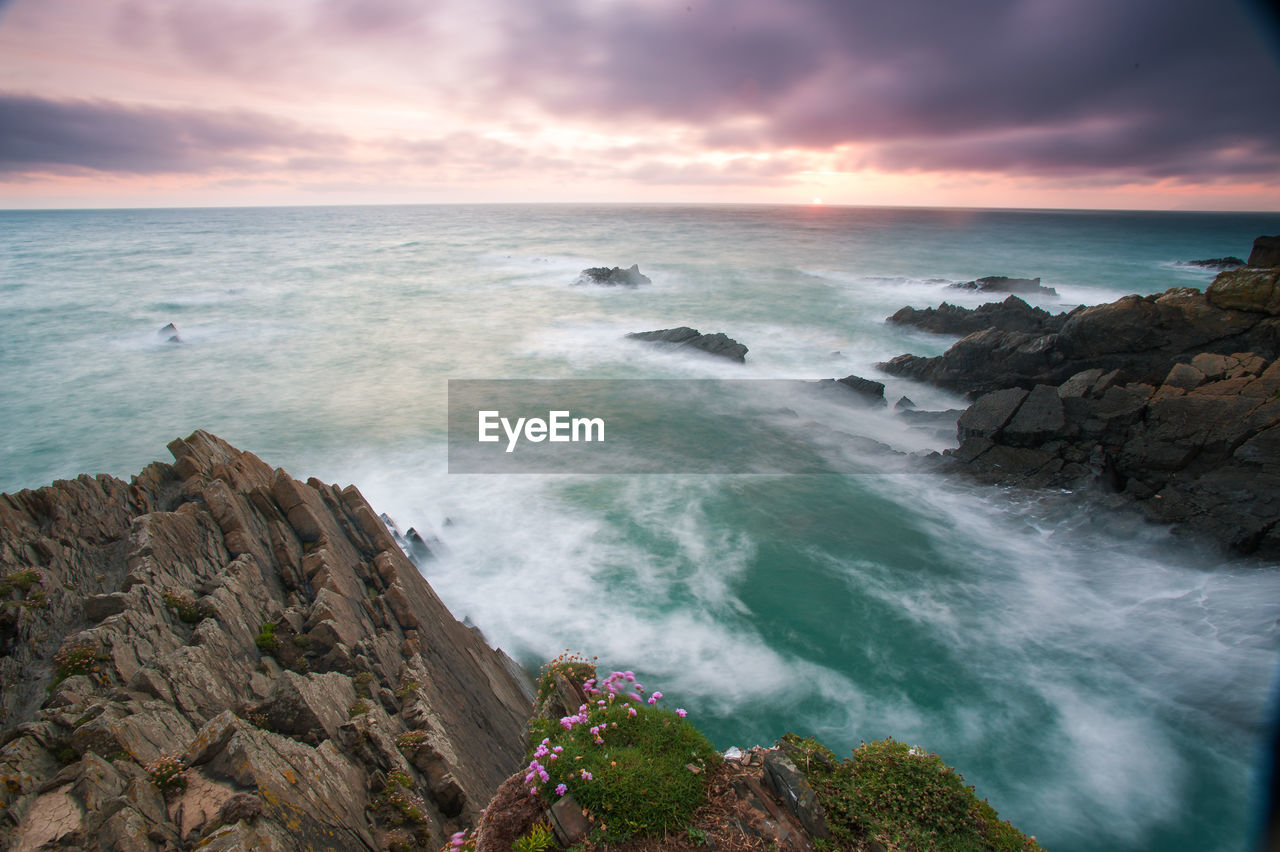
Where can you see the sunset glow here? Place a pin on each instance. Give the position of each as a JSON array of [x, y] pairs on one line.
[[162, 102]]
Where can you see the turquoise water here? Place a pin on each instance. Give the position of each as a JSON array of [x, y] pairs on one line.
[[1104, 685]]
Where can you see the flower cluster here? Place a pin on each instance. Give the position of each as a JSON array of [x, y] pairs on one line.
[[168, 773], [461, 841], [620, 754], [537, 772], [78, 658]]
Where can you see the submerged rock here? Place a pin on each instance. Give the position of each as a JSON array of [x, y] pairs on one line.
[[266, 636], [615, 277], [1004, 284], [169, 334], [713, 344]]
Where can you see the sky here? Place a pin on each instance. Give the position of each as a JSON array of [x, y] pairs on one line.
[[1141, 104]]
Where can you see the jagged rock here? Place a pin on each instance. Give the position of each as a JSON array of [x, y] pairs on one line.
[[1200, 449], [1229, 262], [1004, 284], [1038, 417], [1247, 289], [855, 388], [989, 414], [308, 708], [615, 277], [244, 546], [1266, 251], [169, 334], [1013, 314], [713, 344], [904, 404], [795, 792], [1142, 336]]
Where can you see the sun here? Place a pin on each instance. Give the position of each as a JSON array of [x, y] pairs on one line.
[[817, 201]]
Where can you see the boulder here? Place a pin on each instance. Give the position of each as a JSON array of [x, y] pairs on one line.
[[989, 414], [1247, 289], [169, 334], [1266, 252], [713, 344], [615, 277], [1039, 418]]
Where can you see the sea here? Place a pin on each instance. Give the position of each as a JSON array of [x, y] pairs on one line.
[[1102, 682]]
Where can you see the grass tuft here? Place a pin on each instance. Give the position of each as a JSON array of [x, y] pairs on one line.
[[903, 798]]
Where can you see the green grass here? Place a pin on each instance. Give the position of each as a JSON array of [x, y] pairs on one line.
[[267, 641], [21, 580], [632, 773], [902, 797]]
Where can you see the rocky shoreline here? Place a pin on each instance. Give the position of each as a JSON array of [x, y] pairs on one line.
[[218, 655], [1171, 401]]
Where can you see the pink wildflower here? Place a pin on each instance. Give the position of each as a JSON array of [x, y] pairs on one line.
[[561, 789], [681, 712]]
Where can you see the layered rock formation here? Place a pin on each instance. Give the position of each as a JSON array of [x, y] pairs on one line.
[[1200, 449], [1142, 335], [1171, 401], [217, 654], [1012, 314], [1229, 262], [718, 344]]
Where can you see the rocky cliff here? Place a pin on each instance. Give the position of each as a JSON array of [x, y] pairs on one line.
[[216, 654], [1170, 401]]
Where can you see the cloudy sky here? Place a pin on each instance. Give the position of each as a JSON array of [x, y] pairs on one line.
[[1028, 103]]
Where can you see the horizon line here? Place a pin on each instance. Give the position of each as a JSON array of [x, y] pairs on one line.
[[803, 205]]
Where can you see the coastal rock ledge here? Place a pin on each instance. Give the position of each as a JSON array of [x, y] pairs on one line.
[[217, 655]]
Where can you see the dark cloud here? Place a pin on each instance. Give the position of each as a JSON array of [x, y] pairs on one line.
[[43, 135], [1168, 88]]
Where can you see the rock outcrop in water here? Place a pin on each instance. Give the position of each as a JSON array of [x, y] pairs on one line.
[[1220, 263], [1012, 314], [1143, 335], [1170, 401], [1200, 449], [863, 391], [1004, 284], [217, 655], [615, 277], [713, 344]]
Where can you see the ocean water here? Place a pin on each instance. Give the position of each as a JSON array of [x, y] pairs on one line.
[[1103, 684]]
